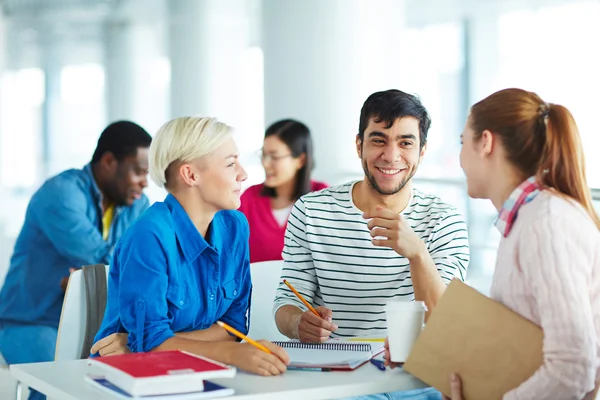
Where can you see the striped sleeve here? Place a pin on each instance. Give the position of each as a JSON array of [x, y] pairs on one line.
[[298, 267], [449, 246]]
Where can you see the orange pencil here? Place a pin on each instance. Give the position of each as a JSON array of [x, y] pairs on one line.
[[243, 337], [302, 298]]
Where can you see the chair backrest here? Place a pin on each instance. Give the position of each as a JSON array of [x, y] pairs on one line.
[[265, 279], [82, 312]]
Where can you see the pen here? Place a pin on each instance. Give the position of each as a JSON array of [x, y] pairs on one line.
[[243, 337], [302, 298], [309, 369], [379, 364]]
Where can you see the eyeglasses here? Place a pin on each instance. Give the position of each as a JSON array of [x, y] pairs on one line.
[[267, 158]]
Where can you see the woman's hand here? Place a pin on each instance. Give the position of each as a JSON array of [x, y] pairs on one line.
[[248, 358], [111, 345], [455, 388]]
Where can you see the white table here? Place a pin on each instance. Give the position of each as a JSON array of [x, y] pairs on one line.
[[63, 380]]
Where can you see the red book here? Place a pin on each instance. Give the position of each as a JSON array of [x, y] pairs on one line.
[[161, 372]]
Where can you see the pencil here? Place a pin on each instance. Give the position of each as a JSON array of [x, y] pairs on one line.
[[243, 337], [302, 298], [359, 339]]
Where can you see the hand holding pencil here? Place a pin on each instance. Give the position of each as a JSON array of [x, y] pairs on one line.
[[260, 357], [314, 325]]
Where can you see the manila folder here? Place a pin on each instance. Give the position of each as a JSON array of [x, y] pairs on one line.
[[492, 348]]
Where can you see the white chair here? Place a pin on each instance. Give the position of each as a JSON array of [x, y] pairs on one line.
[[74, 317], [18, 386], [265, 279]]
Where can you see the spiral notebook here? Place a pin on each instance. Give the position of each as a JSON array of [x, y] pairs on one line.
[[332, 355]]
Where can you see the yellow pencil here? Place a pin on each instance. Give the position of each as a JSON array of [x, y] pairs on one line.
[[302, 298], [243, 337]]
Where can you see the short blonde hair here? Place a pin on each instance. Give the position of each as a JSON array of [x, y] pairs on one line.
[[184, 139]]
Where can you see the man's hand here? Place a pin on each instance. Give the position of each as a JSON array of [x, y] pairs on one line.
[[313, 329], [393, 231], [65, 281], [111, 345], [455, 388], [387, 358]]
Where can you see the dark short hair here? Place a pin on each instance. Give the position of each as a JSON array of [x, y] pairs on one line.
[[388, 106], [296, 136], [122, 139]]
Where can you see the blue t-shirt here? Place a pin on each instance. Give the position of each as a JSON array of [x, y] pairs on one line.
[[62, 229], [166, 278]]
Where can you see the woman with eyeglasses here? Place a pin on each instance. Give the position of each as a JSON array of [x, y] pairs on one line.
[[287, 157]]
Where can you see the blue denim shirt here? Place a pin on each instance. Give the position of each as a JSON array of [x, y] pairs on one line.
[[166, 278], [62, 229]]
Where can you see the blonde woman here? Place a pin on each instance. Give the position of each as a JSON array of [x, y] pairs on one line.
[[184, 264]]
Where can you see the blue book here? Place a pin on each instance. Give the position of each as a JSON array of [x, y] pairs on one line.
[[211, 391]]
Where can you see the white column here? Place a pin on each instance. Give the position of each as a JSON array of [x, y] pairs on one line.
[[322, 60], [119, 47], [134, 55], [188, 44], [207, 40], [484, 53]]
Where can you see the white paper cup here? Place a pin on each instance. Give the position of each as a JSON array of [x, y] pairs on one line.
[[404, 324]]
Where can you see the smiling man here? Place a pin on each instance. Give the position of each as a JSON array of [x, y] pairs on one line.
[[351, 248], [74, 219]]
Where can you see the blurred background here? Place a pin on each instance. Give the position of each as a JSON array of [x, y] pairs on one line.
[[69, 67]]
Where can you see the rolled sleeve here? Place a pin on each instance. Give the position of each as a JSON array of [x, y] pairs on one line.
[[143, 285], [298, 267], [449, 247]]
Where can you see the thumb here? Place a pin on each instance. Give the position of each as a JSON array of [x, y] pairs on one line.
[[455, 387], [71, 270], [325, 313], [278, 351]]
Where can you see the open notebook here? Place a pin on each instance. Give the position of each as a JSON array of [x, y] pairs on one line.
[[335, 354]]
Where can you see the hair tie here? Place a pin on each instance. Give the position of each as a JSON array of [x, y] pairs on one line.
[[544, 110]]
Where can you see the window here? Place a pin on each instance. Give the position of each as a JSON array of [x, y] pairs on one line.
[[433, 69], [151, 106], [21, 98], [250, 135], [77, 117], [553, 52], [82, 84]]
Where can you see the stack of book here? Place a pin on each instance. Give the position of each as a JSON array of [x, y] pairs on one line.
[[164, 375]]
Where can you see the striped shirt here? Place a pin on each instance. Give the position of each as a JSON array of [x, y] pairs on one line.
[[330, 260]]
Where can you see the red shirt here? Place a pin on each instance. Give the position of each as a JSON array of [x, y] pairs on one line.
[[266, 235]]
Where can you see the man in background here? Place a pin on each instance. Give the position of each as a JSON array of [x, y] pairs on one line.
[[74, 219]]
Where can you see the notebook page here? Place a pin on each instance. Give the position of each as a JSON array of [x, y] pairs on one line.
[[376, 342], [326, 358], [323, 357]]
